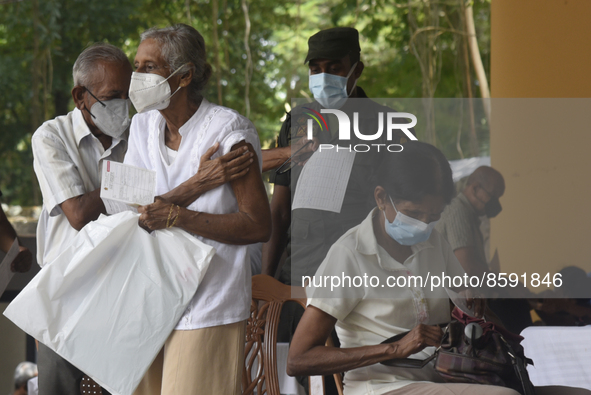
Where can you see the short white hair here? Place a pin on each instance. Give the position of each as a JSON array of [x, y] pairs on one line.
[[88, 60], [23, 373], [179, 45]]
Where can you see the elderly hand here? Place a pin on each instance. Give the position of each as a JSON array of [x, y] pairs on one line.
[[475, 302], [226, 168], [22, 262], [417, 339], [156, 215], [310, 146]]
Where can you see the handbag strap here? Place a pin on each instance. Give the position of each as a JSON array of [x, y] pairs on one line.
[[410, 362], [519, 367]]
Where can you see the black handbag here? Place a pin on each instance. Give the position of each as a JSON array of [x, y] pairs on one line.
[[494, 358]]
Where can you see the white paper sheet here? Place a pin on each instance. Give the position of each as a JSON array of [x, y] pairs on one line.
[[5, 272], [561, 355], [124, 187], [323, 181], [460, 302]]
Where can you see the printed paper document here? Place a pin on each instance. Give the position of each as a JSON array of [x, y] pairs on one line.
[[125, 187], [323, 181]]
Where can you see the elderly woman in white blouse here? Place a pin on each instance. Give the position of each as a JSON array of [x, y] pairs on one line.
[[177, 133]]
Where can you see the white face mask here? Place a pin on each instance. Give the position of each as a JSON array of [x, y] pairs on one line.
[[149, 91], [110, 116], [330, 90]]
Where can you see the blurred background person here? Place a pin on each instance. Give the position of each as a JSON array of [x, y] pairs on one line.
[[22, 374], [460, 225], [460, 221], [24, 259], [569, 304]]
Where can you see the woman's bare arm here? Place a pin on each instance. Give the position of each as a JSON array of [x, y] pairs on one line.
[[309, 356], [251, 224], [211, 174]]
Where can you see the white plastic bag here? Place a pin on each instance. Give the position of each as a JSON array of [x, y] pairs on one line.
[[108, 303]]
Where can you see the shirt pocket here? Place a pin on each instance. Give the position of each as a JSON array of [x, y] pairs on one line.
[[307, 231]]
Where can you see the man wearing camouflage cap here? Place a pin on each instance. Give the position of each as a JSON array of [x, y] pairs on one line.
[[335, 66]]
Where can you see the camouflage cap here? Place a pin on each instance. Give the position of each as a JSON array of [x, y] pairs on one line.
[[334, 43]]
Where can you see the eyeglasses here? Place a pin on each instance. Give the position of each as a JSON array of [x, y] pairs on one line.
[[95, 98], [288, 164], [489, 193]]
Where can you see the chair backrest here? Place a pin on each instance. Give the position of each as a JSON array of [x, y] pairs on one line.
[[260, 373], [88, 386]]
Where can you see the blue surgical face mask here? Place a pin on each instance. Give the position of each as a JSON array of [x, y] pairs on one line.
[[330, 90], [407, 230]]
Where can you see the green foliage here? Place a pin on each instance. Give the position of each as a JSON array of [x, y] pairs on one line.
[[40, 40]]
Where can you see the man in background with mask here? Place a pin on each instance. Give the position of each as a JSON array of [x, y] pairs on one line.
[[335, 65], [68, 153], [460, 222], [24, 259], [460, 225]]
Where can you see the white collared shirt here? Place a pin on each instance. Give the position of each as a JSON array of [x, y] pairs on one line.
[[67, 159], [224, 294], [369, 315]]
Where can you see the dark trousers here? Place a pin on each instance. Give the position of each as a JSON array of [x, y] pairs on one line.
[[56, 375]]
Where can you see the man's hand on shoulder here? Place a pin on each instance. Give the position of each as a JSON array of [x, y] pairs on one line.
[[23, 261]]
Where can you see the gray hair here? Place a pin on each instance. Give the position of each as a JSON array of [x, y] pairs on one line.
[[23, 373], [89, 59], [183, 47]]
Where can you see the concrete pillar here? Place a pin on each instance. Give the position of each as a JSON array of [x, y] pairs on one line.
[[541, 49]]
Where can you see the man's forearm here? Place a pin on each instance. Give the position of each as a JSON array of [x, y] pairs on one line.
[[275, 157], [281, 220], [7, 233], [272, 251], [81, 210]]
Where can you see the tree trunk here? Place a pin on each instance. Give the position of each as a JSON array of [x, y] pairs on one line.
[[36, 78], [188, 9], [477, 61], [216, 48], [248, 67], [474, 149], [226, 26]]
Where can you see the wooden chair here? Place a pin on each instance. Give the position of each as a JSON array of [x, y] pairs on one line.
[[260, 371], [89, 386]]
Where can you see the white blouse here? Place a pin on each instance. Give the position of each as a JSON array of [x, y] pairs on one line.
[[224, 294], [368, 315]]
